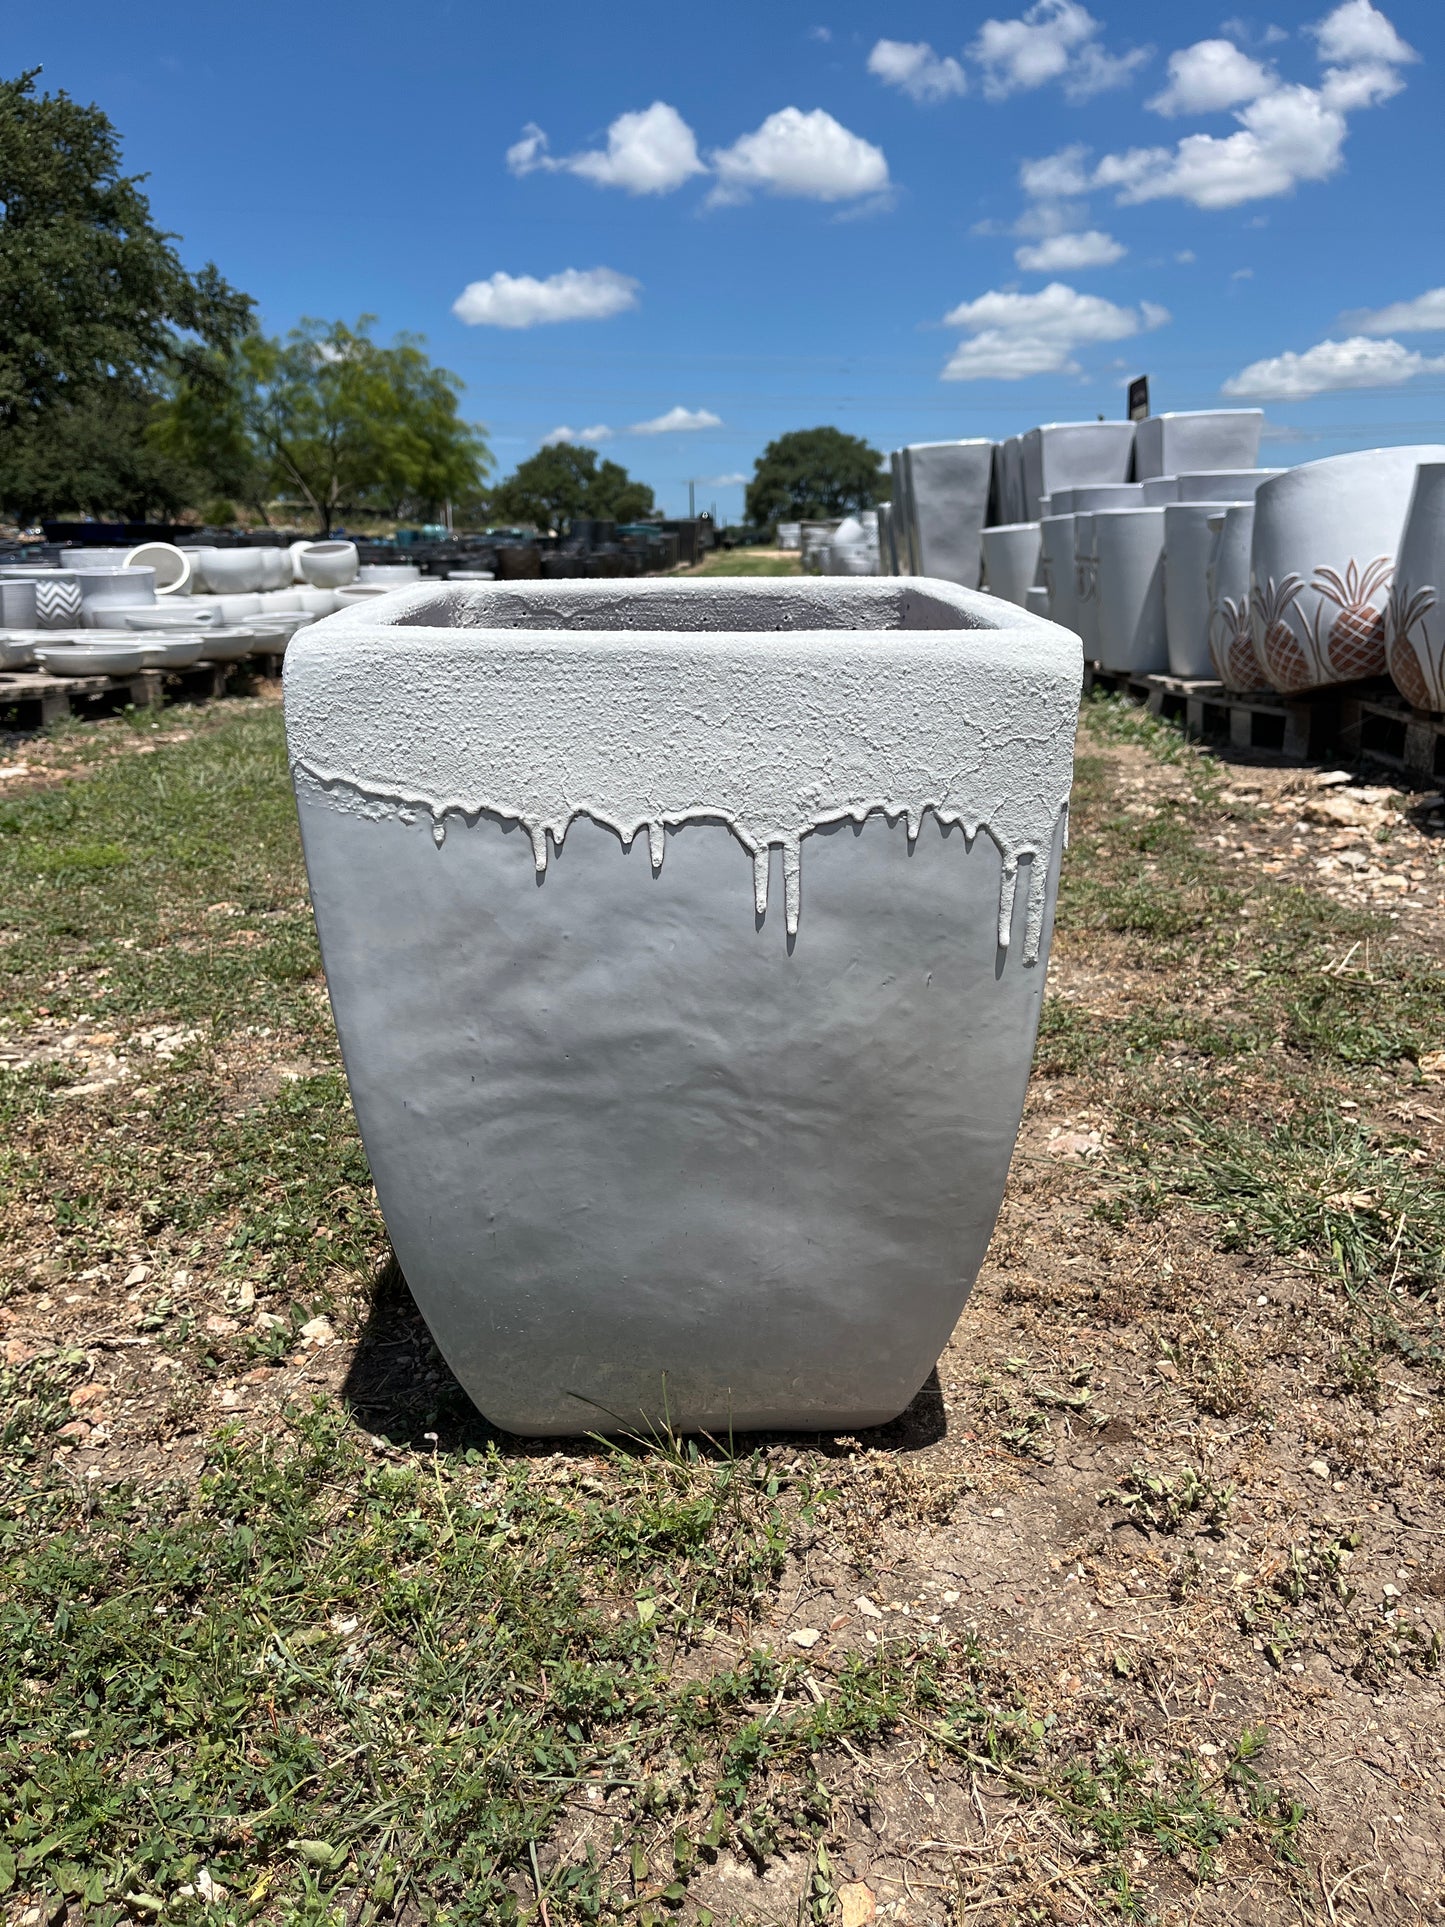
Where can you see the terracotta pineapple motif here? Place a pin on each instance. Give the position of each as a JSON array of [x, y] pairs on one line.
[[1402, 612], [1285, 662], [1356, 645], [1231, 644]]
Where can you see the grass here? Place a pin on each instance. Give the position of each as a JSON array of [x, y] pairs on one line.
[[746, 562], [456, 1679]]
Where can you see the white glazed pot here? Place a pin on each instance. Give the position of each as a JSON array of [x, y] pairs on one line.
[[329, 565], [17, 604], [1086, 607], [1011, 559], [233, 571], [231, 643], [294, 550], [18, 646], [1231, 633], [106, 592], [57, 595], [1188, 542], [318, 602], [234, 609], [169, 650], [1183, 443], [93, 558], [387, 575], [275, 568], [1415, 613], [194, 615], [366, 592], [1325, 537], [280, 601], [716, 1141], [1129, 589], [948, 489], [1056, 562], [1072, 455], [172, 566]]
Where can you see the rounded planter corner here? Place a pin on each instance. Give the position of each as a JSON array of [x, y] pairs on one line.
[[686, 943]]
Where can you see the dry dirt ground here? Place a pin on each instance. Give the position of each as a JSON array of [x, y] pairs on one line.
[[1137, 1613]]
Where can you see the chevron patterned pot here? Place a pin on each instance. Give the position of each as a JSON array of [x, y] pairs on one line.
[[686, 943]]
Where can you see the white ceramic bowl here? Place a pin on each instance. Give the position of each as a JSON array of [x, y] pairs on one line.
[[197, 613], [92, 658], [233, 571], [229, 645], [387, 575], [275, 568], [282, 600], [104, 592], [329, 565], [295, 551], [17, 647], [171, 651], [366, 592], [172, 566]]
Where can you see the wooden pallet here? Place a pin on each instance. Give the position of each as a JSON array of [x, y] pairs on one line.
[[1379, 726], [35, 699]]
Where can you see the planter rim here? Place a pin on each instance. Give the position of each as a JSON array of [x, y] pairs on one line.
[[774, 731]]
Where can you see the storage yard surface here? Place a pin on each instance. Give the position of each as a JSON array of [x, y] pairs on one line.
[[1137, 1614]]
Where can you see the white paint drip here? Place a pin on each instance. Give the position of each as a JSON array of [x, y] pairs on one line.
[[730, 714]]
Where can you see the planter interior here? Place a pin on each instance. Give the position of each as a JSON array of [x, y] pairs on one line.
[[658, 1140]]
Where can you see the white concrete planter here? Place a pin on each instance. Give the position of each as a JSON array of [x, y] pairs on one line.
[[17, 604], [387, 575], [57, 595], [1071, 454], [653, 1144], [1036, 601], [1325, 537], [1056, 565], [1415, 613], [1129, 589], [275, 568], [233, 571], [1159, 491], [1231, 634], [1086, 607], [1223, 485], [1188, 543], [106, 593], [1097, 495], [1179, 444], [1011, 560], [948, 489], [887, 550]]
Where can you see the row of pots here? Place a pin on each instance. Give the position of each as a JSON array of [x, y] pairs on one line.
[[1283, 579]]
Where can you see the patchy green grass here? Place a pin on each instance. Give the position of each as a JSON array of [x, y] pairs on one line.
[[745, 562]]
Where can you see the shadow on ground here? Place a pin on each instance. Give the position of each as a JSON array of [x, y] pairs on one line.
[[400, 1389]]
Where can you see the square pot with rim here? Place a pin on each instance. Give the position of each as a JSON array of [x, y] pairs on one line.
[[686, 942]]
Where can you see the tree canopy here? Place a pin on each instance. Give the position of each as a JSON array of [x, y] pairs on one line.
[[332, 416], [97, 305], [562, 483], [814, 474]]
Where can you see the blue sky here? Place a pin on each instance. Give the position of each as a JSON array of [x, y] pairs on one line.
[[686, 230]]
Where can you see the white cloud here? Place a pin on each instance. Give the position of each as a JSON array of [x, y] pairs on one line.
[[1358, 362], [1286, 134], [1209, 76], [1285, 137], [809, 155], [521, 301], [1051, 40], [677, 421], [914, 68], [1015, 335], [1356, 31], [599, 433], [736, 480], [1066, 253], [1185, 257], [1057, 175], [1424, 315], [649, 152]]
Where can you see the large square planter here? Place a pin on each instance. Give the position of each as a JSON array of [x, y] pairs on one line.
[[948, 487], [1206, 438], [1070, 454], [702, 1115]]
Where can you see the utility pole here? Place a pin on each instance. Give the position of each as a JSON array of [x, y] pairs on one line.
[[691, 505]]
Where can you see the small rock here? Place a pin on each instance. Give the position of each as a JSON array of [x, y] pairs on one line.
[[1319, 1469], [219, 1324], [267, 1321], [317, 1332], [137, 1275], [805, 1637], [856, 1907], [17, 1352], [76, 1429], [91, 1394], [866, 1607]]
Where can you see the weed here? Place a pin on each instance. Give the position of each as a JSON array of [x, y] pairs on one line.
[[1162, 1502]]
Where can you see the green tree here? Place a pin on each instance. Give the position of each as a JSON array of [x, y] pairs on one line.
[[332, 415], [97, 305], [329, 413], [814, 474], [562, 482]]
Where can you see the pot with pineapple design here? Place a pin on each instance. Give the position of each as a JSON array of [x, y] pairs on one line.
[[1231, 633], [1322, 559], [1415, 612]]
